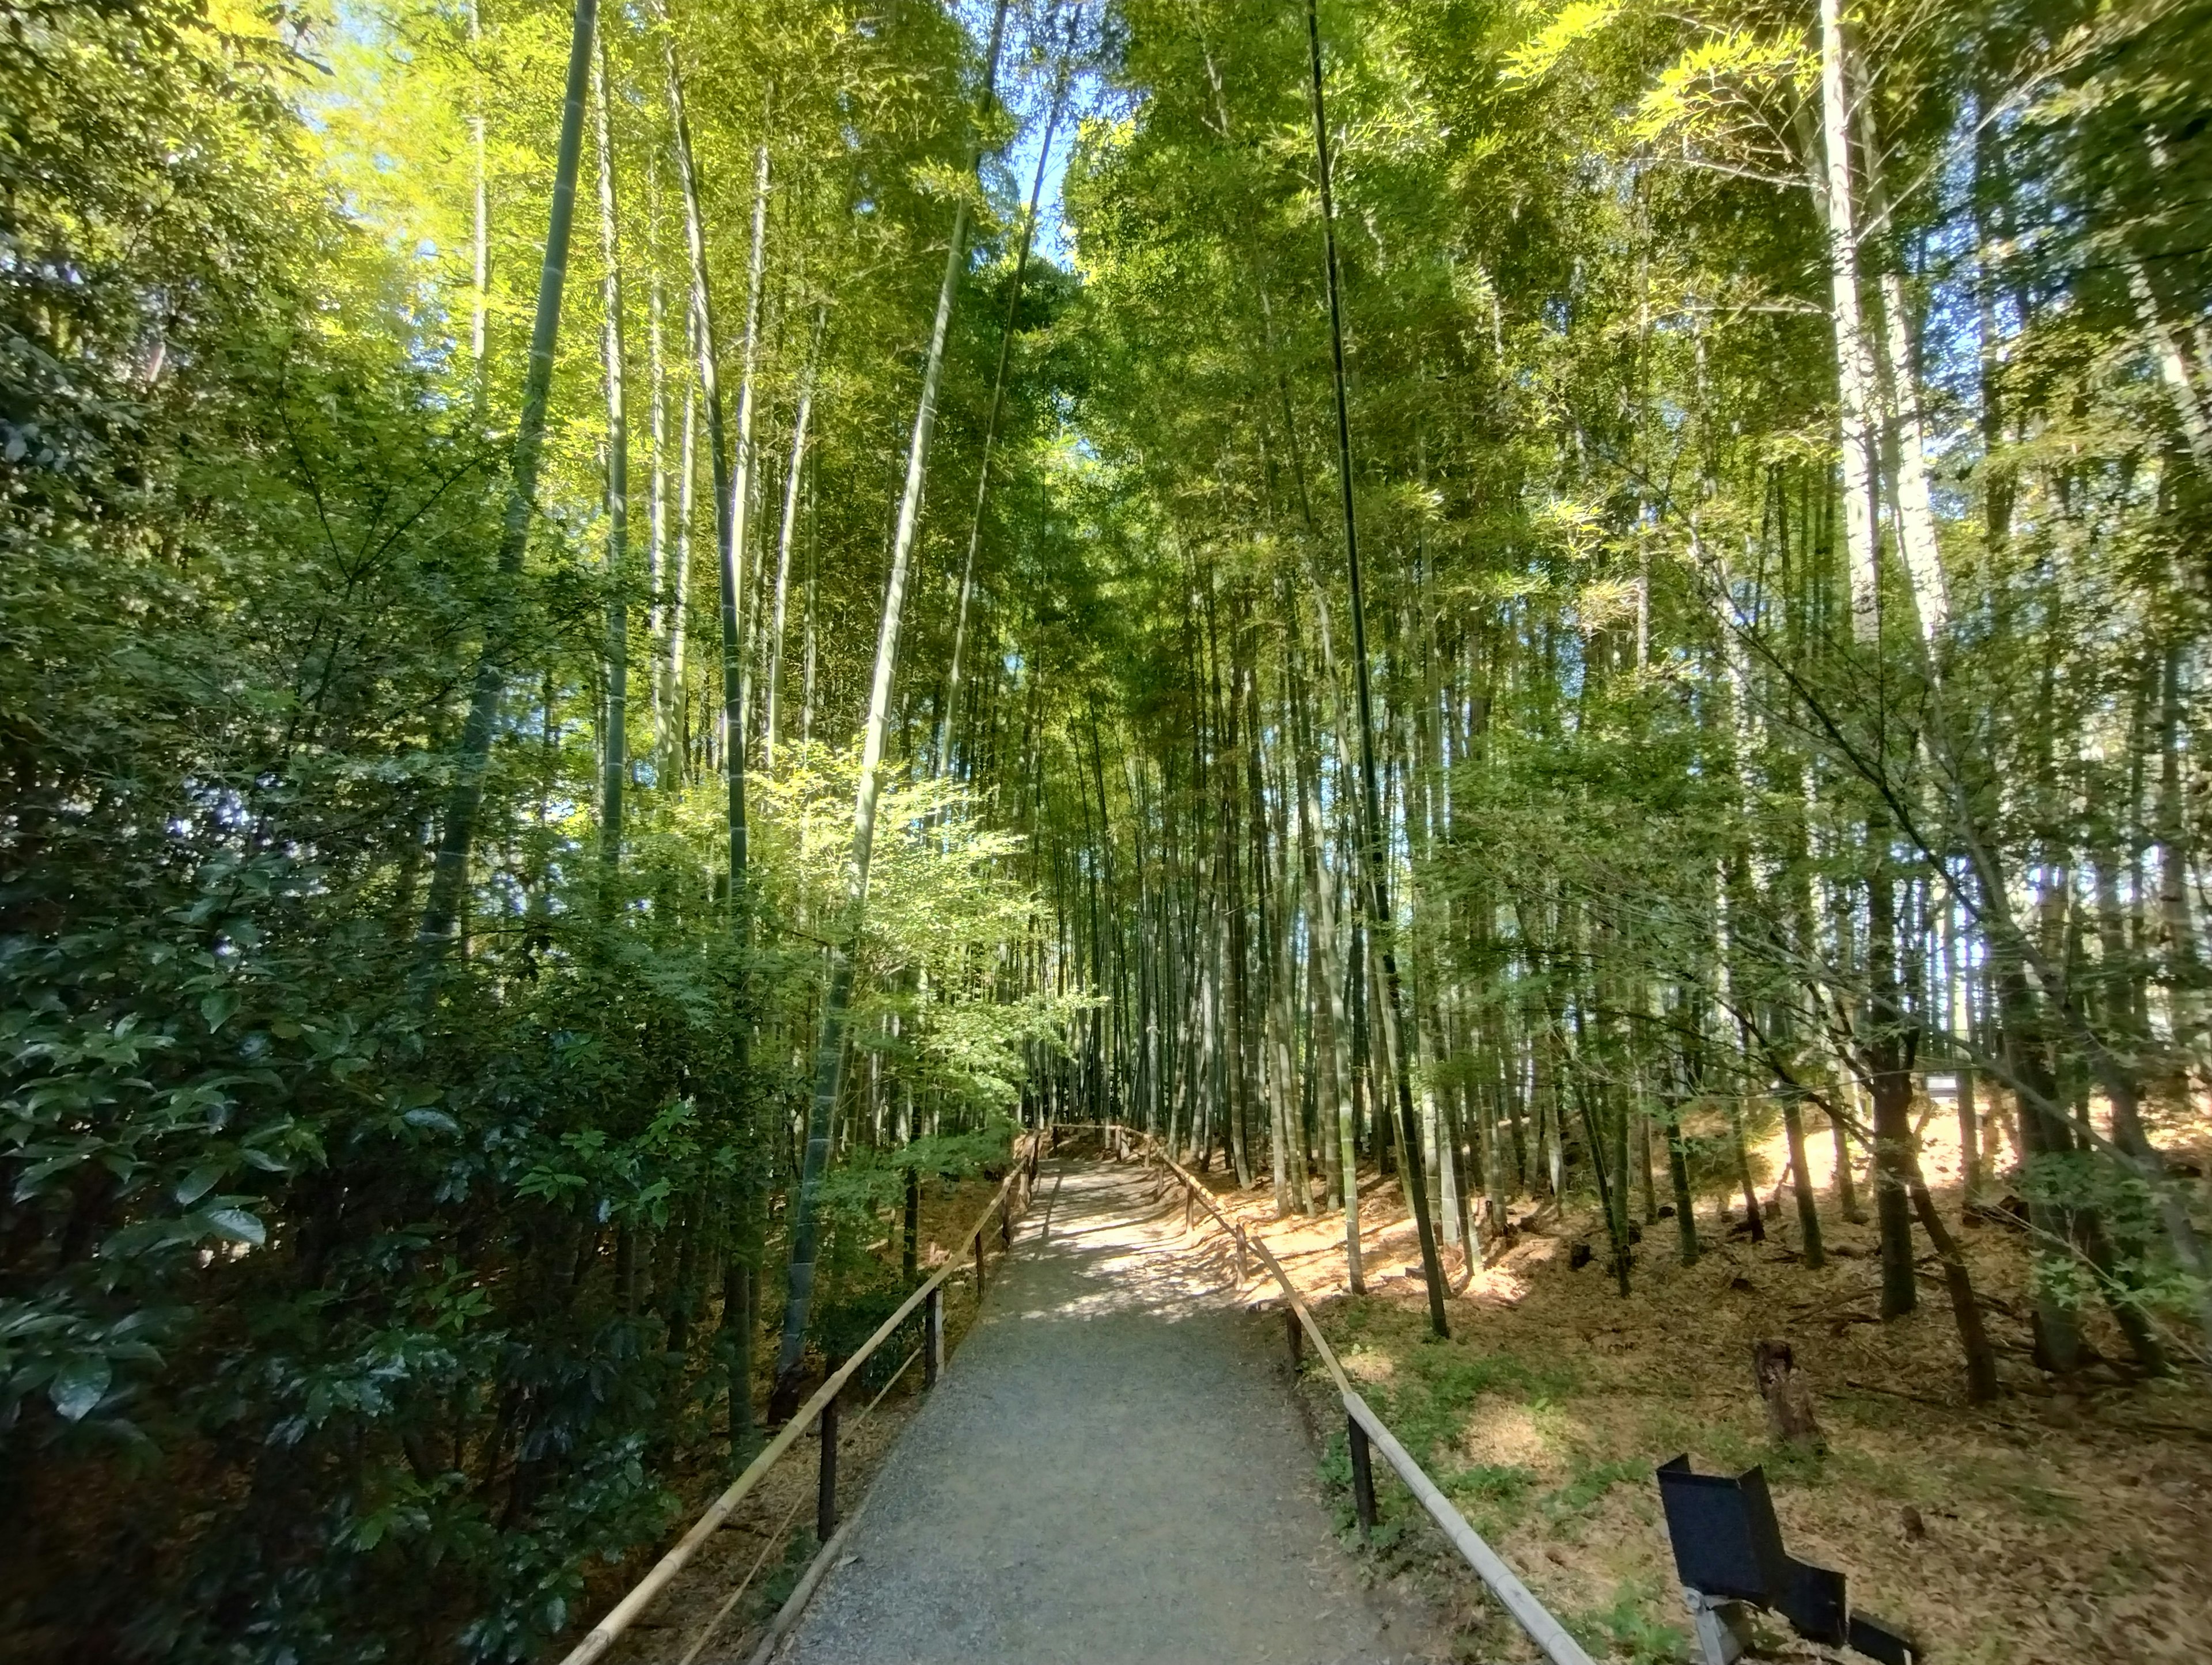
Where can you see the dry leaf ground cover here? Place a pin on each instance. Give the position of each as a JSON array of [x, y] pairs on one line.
[[2068, 1527]]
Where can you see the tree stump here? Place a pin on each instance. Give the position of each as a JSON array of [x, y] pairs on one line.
[[1788, 1392]]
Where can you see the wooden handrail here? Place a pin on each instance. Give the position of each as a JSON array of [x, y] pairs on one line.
[[647, 1588], [1546, 1632]]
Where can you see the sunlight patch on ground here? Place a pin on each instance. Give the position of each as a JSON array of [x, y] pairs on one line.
[[1366, 1364], [1502, 1435], [1132, 1263]]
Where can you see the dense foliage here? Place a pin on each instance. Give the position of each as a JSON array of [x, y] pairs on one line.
[[1777, 444], [347, 1307], [1777, 438]]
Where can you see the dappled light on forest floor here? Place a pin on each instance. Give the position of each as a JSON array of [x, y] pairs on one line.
[[2051, 1528], [1130, 1249]]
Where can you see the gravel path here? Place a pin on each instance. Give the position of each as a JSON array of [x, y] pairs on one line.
[[1112, 1469]]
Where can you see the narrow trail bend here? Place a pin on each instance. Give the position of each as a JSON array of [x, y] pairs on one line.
[[1112, 1471]]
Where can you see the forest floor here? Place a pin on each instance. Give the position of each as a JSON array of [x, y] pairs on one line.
[[2056, 1528]]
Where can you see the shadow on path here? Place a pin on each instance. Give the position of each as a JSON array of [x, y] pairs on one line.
[[1111, 1470]]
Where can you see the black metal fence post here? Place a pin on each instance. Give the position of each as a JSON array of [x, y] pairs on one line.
[[1363, 1476]]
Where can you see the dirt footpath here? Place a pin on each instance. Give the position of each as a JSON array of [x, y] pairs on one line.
[[1113, 1470]]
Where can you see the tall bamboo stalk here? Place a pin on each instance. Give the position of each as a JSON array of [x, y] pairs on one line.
[[736, 662], [737, 1314], [948, 715], [1379, 920], [829, 1054], [449, 874], [710, 387], [614, 748], [480, 231], [792, 479]]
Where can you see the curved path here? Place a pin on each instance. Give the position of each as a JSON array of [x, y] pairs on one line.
[[1111, 1471]]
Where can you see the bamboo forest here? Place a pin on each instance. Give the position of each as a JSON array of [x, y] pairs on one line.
[[1534, 676]]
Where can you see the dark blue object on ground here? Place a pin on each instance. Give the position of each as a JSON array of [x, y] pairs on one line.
[[1728, 1548]]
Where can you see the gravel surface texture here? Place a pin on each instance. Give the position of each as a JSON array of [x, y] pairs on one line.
[[1112, 1469]]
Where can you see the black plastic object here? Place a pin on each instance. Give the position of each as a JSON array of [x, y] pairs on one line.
[[1728, 1544], [1878, 1641], [1726, 1540]]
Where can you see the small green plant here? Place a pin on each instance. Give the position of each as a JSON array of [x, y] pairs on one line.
[[1493, 1497], [775, 1589], [1629, 1629]]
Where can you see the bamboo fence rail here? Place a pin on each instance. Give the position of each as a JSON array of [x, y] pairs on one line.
[[1364, 1428]]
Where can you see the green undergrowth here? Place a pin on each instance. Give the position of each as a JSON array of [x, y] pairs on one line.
[[1627, 1629], [775, 1589], [1430, 1393], [1433, 1383]]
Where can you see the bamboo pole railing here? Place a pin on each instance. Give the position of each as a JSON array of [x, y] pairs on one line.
[[1363, 1429], [647, 1589]]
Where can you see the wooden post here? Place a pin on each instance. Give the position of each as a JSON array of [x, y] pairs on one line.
[[825, 1499], [979, 1263], [1363, 1477], [1189, 1208], [1241, 1267], [1788, 1392], [1297, 1334], [933, 1337], [1006, 1225]]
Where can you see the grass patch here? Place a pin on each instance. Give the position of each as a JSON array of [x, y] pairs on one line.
[[1505, 1483], [1591, 1482], [1436, 1383], [1494, 1497], [1630, 1628], [1460, 1377]]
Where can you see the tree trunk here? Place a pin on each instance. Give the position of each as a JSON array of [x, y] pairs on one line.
[[449, 872], [746, 1230], [948, 716], [1379, 918], [771, 724], [737, 662], [1808, 1212], [829, 1054], [1854, 359], [480, 234], [614, 747], [726, 533], [1888, 1052], [656, 534], [675, 605]]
